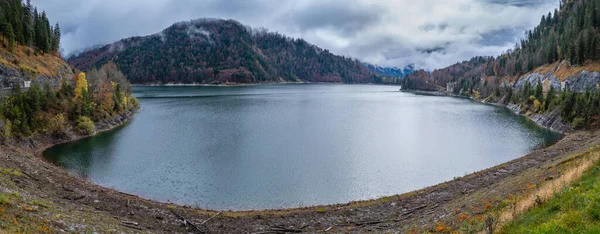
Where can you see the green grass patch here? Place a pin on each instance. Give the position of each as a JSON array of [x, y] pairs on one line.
[[8, 171], [574, 209], [4, 200], [320, 210], [39, 203]]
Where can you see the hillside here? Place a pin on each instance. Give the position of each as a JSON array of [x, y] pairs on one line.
[[553, 74], [29, 46], [223, 51], [24, 64]]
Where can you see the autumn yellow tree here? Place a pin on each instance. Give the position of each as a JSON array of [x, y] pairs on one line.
[[82, 86]]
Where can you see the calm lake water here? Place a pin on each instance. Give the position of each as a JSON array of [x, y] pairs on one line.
[[280, 146]]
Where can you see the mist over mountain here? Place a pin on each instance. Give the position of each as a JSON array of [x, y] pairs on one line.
[[223, 51], [391, 71]]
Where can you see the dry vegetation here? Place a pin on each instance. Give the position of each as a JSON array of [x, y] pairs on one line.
[[28, 60]]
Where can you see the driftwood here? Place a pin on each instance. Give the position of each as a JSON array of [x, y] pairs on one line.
[[205, 221], [187, 222], [403, 216], [285, 230], [130, 223], [414, 209], [281, 229], [131, 226]]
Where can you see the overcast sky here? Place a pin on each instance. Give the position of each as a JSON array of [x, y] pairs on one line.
[[428, 33]]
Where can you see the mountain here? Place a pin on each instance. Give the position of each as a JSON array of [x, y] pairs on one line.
[[223, 51], [553, 74], [390, 71], [569, 33]]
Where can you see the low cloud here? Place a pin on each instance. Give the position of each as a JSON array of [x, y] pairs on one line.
[[427, 33]]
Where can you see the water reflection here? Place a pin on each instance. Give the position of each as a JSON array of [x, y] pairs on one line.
[[277, 146]]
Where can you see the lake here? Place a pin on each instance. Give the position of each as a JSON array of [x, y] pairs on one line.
[[282, 146]]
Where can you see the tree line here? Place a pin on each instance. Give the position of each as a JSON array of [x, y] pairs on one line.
[[42, 109], [568, 33], [221, 51], [21, 23]]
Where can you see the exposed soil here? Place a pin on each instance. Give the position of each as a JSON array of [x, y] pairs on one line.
[[51, 196]]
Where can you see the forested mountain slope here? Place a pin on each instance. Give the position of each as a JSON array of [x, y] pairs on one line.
[[553, 71], [223, 51], [29, 46]]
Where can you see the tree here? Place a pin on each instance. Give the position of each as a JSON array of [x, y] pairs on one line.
[[29, 32], [10, 34], [56, 38], [81, 87], [550, 97], [85, 126], [539, 91]]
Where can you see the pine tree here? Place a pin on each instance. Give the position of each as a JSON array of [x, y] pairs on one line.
[[28, 33], [10, 35], [56, 35], [539, 91]]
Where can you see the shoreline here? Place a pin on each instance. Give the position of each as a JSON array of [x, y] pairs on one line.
[[427, 203], [541, 120], [109, 124], [215, 85], [248, 84]]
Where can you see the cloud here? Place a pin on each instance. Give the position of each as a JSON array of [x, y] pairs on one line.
[[427, 33]]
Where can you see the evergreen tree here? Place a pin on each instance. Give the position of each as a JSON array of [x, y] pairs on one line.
[[28, 30], [539, 91]]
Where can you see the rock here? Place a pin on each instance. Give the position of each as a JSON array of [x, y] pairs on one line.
[[583, 80], [536, 78], [9, 76]]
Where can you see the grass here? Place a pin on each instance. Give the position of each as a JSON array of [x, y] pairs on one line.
[[562, 70], [14, 172], [30, 62], [569, 209], [40, 203], [4, 200]]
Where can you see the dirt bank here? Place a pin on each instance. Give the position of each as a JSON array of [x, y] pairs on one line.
[[48, 197]]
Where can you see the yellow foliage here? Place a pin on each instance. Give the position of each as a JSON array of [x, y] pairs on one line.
[[536, 105], [124, 99], [82, 84], [57, 123]]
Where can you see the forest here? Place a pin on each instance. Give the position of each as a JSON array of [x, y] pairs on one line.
[[22, 23], [569, 33], [42, 109], [223, 51]]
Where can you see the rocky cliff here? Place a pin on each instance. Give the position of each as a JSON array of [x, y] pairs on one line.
[[23, 64]]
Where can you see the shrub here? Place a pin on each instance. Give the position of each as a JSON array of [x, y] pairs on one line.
[[578, 122], [133, 102], [7, 129], [4, 200], [85, 126], [532, 98], [536, 105], [57, 124]]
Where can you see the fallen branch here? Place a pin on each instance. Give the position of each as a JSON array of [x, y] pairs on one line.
[[130, 223], [205, 221], [285, 230], [187, 222], [413, 210], [131, 226]]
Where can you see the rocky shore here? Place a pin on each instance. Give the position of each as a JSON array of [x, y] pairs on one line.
[[73, 204]]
